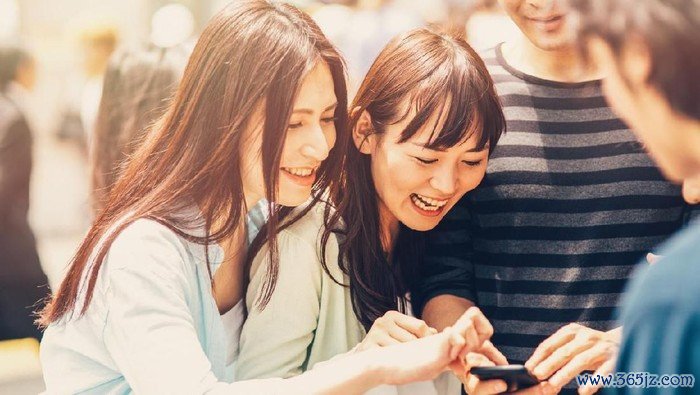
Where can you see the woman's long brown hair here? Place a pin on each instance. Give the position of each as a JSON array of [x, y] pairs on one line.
[[438, 74], [252, 53]]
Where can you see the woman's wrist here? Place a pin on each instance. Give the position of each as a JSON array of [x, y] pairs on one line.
[[355, 373], [374, 371]]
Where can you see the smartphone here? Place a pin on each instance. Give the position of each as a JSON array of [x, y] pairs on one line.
[[516, 376]]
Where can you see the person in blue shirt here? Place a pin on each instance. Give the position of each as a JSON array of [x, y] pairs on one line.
[[650, 51]]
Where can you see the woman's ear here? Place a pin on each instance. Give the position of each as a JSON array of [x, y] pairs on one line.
[[363, 134]]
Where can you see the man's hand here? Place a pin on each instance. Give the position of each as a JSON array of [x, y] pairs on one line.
[[543, 388], [691, 190], [608, 367], [653, 258], [570, 351]]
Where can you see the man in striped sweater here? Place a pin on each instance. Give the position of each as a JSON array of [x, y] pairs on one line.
[[569, 205]]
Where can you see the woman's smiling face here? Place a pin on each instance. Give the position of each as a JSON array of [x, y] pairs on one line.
[[309, 139], [415, 184]]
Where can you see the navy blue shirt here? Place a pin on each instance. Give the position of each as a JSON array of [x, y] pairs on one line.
[[661, 316]]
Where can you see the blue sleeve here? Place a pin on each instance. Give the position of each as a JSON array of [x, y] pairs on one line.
[[661, 316], [447, 268], [660, 340]]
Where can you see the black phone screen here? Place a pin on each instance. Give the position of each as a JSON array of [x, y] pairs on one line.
[[516, 376]]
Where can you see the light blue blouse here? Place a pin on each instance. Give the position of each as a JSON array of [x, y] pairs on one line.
[[152, 325]]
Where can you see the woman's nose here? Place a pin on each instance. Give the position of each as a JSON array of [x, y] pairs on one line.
[[318, 145], [444, 180]]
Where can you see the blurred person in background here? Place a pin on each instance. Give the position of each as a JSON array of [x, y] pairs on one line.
[[19, 70], [137, 89], [650, 52], [84, 89], [99, 42], [361, 28], [488, 25], [570, 204], [458, 13], [22, 281]]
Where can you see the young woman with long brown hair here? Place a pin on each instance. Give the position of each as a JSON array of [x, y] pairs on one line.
[[423, 124], [256, 115]]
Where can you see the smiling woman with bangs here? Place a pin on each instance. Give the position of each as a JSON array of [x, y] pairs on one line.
[[423, 124]]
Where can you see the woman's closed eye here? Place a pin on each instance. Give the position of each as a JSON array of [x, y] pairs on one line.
[[425, 161], [472, 163], [325, 121]]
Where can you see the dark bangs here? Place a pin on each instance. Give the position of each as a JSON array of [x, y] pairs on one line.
[[448, 95], [442, 76]]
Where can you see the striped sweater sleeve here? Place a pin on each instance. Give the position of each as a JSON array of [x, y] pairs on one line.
[[447, 267]]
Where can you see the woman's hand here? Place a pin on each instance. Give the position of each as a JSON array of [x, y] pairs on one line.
[[395, 328], [426, 358], [488, 355]]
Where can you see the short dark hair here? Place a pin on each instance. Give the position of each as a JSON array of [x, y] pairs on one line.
[[671, 30], [11, 57]]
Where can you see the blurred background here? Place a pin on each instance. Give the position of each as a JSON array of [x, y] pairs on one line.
[[56, 83]]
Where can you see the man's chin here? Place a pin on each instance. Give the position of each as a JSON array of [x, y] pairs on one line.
[[552, 42], [554, 45]]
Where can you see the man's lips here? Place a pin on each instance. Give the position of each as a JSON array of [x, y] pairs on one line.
[[545, 18]]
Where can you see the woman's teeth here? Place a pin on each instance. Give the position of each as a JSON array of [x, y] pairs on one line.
[[299, 171], [426, 203]]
